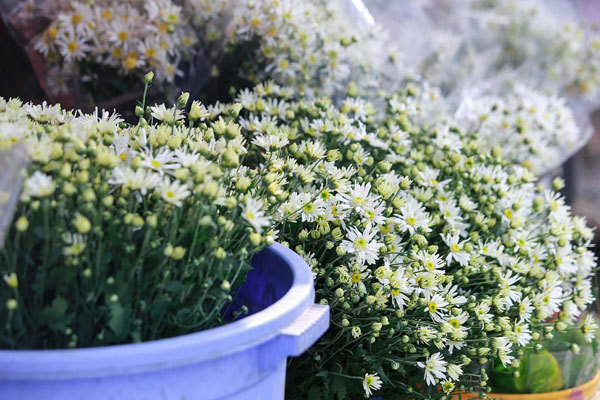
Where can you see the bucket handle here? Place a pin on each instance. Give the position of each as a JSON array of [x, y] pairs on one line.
[[304, 331]]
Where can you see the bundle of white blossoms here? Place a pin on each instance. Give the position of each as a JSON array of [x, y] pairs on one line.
[[438, 258], [315, 46], [131, 37], [533, 129], [546, 41], [127, 233]]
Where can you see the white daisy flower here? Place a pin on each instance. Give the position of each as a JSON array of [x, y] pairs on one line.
[[253, 214], [38, 185], [173, 192], [435, 368], [370, 383], [362, 244], [589, 328]]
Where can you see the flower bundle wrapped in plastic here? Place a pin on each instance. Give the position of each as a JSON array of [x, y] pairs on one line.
[[546, 42], [315, 46], [457, 44], [97, 51], [534, 130], [435, 255], [127, 233]]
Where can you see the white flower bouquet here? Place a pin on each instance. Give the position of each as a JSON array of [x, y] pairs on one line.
[[127, 233], [435, 255], [91, 53]]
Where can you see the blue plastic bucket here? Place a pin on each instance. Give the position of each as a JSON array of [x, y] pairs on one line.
[[243, 360]]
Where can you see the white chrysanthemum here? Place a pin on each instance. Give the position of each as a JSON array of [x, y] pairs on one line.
[[370, 383], [253, 214], [362, 244], [435, 368], [38, 185], [589, 328], [166, 115], [173, 192]]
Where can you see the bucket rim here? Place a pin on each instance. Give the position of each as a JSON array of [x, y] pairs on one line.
[[237, 336]]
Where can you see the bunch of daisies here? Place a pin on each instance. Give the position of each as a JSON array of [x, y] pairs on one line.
[[315, 46], [128, 233], [533, 129], [437, 257], [107, 39]]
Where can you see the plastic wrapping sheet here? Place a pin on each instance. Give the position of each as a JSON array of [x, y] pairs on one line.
[[13, 163], [476, 48], [567, 360], [110, 74], [557, 125]]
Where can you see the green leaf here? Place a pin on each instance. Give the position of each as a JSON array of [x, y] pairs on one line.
[[174, 287], [314, 393], [543, 373], [119, 321], [55, 315], [337, 388]]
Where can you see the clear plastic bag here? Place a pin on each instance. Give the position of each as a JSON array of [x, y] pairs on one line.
[[567, 360], [13, 163]]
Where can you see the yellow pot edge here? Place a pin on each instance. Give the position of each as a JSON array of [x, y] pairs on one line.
[[588, 389]]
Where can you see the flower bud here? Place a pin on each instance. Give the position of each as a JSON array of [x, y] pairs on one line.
[[220, 253], [178, 253], [11, 280], [11, 304], [22, 224], [82, 224], [558, 183], [255, 239], [148, 78], [226, 286]]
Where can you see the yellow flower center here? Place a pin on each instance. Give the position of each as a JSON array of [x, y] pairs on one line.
[[254, 22], [52, 32], [359, 200], [156, 164], [106, 14], [558, 260], [150, 52], [412, 221], [455, 248], [129, 63], [356, 277], [360, 243], [123, 36], [123, 157], [72, 46], [76, 19], [433, 307], [455, 323]]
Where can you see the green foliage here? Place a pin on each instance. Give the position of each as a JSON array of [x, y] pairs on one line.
[[127, 233]]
